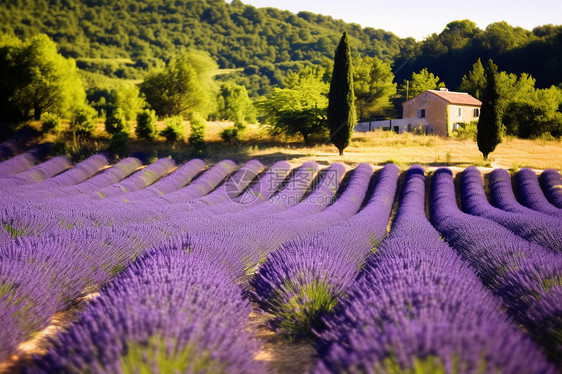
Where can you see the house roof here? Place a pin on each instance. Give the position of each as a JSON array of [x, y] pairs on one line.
[[456, 98]]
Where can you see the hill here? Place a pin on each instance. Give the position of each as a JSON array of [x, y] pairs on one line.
[[125, 39], [451, 53]]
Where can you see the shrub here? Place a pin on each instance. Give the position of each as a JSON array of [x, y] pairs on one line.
[[50, 123], [233, 134], [466, 131], [174, 130], [197, 136], [60, 147], [116, 121], [118, 143], [146, 125], [82, 123]]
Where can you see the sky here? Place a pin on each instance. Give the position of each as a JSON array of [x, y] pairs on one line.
[[419, 19]]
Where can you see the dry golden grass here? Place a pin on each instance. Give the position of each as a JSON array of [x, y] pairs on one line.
[[381, 147], [376, 148]]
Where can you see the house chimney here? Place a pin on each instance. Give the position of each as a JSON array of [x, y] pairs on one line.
[[443, 89]]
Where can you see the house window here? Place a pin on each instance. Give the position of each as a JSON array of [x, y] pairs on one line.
[[476, 112], [459, 112], [421, 113]]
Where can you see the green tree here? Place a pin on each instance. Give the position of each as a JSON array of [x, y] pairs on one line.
[[116, 121], [127, 97], [37, 79], [373, 85], [185, 86], [175, 130], [300, 108], [197, 135], [420, 82], [118, 143], [82, 123], [50, 123], [535, 114], [234, 104], [341, 106], [489, 124], [474, 82], [146, 125]]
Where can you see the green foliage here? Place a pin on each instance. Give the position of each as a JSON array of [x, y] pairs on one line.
[[82, 122], [529, 119], [373, 87], [36, 79], [166, 356], [341, 107], [127, 97], [420, 82], [466, 131], [175, 130], [116, 121], [118, 143], [303, 311], [197, 135], [60, 147], [146, 125], [474, 82], [50, 123], [232, 134], [234, 104], [300, 108], [451, 53], [489, 124], [528, 112], [126, 39], [184, 87]]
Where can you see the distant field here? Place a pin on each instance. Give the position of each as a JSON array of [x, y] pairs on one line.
[[403, 149], [375, 148]]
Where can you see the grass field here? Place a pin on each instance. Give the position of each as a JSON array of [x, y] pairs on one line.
[[376, 148]]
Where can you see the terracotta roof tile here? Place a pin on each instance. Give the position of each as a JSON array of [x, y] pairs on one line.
[[458, 98]]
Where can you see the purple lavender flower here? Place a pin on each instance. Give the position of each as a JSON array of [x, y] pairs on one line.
[[524, 274], [529, 193], [551, 181], [417, 306], [170, 311], [539, 228]]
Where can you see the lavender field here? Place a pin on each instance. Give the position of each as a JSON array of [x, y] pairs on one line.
[[382, 271]]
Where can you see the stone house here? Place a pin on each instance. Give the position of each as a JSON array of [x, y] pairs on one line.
[[442, 110]]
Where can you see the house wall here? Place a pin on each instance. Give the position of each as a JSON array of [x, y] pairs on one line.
[[397, 125], [467, 115], [435, 111]]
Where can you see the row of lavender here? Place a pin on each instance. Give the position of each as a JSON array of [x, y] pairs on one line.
[[113, 246], [298, 283]]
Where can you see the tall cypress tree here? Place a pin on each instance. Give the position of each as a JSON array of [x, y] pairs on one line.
[[489, 124], [341, 106]]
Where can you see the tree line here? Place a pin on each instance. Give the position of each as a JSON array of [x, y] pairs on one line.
[[126, 39], [40, 83]]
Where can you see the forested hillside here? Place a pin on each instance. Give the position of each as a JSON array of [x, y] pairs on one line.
[[121, 38], [451, 53], [124, 39]]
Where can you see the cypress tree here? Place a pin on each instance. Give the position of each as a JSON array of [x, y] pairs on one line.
[[341, 106], [489, 124]]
